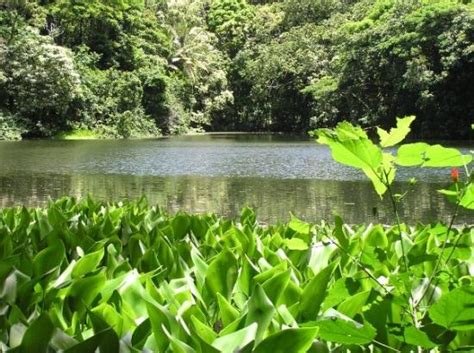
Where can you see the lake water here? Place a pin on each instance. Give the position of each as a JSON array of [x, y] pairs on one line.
[[217, 173]]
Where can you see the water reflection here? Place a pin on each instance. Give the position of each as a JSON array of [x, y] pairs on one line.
[[220, 173], [272, 198]]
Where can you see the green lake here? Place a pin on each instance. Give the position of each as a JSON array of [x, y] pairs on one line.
[[219, 173]]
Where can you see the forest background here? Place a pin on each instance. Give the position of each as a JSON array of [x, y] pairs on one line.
[[140, 68]]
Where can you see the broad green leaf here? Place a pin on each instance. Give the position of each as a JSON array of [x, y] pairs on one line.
[[200, 266], [17, 331], [206, 333], [44, 227], [272, 271], [377, 237], [286, 316], [159, 321], [351, 146], [89, 345], [411, 154], [397, 134], [231, 328], [439, 156], [110, 316], [455, 310], [275, 286], [260, 311], [345, 332], [357, 153], [467, 199], [296, 244], [291, 340], [109, 342], [314, 293], [88, 263], [320, 256], [353, 305], [49, 258], [299, 226], [37, 337], [180, 224], [346, 131], [141, 333], [337, 293], [231, 343], [339, 232], [291, 296], [87, 288], [62, 341], [222, 274], [178, 346], [383, 175], [418, 338], [425, 155], [248, 216], [227, 312]]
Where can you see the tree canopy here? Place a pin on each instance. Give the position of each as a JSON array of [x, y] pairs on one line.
[[126, 68]]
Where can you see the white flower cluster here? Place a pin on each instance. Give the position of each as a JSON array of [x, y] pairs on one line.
[[39, 75]]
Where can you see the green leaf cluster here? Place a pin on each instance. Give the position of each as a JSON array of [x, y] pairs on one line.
[[351, 145], [86, 276]]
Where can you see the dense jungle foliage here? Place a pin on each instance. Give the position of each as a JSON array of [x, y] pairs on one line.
[[129, 68]]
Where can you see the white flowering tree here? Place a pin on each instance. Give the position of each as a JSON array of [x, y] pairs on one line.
[[40, 81]]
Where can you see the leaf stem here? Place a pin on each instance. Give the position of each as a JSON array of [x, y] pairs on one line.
[[357, 262], [440, 257], [397, 218], [386, 346], [404, 255]]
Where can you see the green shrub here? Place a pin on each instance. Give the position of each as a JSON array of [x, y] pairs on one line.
[[134, 124]]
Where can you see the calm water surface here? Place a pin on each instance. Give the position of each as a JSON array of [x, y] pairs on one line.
[[218, 173]]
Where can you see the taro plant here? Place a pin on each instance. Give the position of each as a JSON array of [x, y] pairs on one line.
[[126, 277]]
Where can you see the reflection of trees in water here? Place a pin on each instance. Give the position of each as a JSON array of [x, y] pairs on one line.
[[272, 198]]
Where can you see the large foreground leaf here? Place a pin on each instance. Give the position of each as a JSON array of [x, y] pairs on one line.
[[222, 274], [351, 146], [345, 332], [235, 341], [38, 335], [467, 199], [397, 134], [91, 344], [455, 310], [260, 311], [422, 154], [314, 294], [291, 340]]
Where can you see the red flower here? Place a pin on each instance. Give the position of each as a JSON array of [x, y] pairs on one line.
[[455, 175]]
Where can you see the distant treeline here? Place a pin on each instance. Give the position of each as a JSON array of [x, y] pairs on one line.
[[131, 68]]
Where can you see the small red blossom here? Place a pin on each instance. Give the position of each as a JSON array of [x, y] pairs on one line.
[[455, 175]]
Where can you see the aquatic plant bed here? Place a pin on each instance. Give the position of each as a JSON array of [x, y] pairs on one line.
[[85, 276]]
